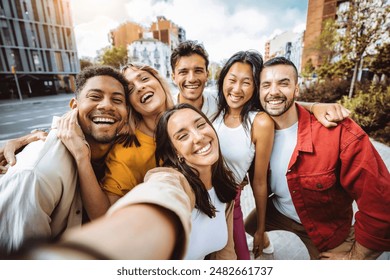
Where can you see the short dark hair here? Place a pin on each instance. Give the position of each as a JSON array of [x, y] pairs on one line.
[[100, 70], [188, 48], [222, 178], [281, 60]]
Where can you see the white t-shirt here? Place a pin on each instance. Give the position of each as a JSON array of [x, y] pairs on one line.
[[285, 141], [207, 235], [236, 145], [210, 102]]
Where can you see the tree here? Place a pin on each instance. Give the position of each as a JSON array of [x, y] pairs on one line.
[[113, 56], [85, 62], [380, 63], [363, 24]]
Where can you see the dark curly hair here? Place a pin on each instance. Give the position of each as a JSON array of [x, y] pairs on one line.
[[100, 70]]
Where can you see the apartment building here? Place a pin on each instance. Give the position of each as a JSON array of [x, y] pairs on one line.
[[38, 53]]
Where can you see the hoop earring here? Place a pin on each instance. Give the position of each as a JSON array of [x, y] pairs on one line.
[[180, 158]]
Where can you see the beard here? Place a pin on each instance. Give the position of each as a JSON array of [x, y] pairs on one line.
[[276, 112]]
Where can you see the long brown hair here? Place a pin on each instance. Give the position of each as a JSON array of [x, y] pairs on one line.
[[222, 178]]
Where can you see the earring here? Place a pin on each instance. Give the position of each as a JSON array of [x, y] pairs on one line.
[[180, 158]]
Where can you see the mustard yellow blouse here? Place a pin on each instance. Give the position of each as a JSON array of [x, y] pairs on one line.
[[126, 167]]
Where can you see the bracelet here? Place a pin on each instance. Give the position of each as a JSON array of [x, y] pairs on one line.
[[311, 107]]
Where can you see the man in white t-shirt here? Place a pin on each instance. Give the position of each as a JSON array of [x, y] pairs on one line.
[[316, 173], [189, 62]]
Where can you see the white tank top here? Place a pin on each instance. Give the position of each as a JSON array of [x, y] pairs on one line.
[[236, 145], [285, 141], [207, 235]]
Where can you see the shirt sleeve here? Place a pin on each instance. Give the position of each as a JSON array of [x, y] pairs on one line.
[[365, 176], [169, 189], [32, 219]]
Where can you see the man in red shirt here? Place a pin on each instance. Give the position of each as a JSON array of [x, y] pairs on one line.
[[316, 173]]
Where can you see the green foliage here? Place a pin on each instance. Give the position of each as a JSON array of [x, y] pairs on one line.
[[113, 56], [371, 110], [380, 62], [308, 69], [327, 90]]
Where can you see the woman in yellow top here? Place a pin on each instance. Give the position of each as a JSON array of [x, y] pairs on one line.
[[127, 164], [128, 161]]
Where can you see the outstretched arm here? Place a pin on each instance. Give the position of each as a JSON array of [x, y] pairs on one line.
[[142, 232], [13, 146], [328, 114]]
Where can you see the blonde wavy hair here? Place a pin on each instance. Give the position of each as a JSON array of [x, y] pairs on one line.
[[135, 117]]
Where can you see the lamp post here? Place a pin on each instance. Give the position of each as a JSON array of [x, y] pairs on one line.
[[13, 70]]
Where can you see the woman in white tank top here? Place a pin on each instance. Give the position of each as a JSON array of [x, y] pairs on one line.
[[246, 137], [188, 142]]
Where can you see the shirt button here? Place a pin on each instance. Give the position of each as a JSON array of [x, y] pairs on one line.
[[289, 170], [319, 186], [294, 191], [78, 212]]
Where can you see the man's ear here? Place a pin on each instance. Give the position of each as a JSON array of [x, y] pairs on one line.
[[296, 91], [73, 103], [173, 78]]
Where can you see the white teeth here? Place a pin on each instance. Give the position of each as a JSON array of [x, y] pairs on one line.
[[191, 87], [275, 102], [103, 120], [145, 97], [204, 149], [234, 98]]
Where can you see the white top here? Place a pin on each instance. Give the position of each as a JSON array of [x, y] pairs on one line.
[[236, 145], [207, 235], [210, 102], [39, 195], [285, 141]]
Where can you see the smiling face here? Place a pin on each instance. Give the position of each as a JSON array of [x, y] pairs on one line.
[[190, 75], [278, 89], [147, 96], [238, 85], [102, 108], [194, 139]]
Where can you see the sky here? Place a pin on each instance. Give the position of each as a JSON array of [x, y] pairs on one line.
[[223, 26]]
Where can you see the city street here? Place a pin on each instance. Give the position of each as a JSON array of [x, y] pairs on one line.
[[20, 117]]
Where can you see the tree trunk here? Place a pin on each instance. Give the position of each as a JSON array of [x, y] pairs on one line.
[[351, 88]]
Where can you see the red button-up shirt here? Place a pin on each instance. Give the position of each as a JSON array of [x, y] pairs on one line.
[[331, 167]]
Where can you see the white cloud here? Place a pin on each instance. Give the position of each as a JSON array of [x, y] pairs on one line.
[[93, 35], [222, 27]]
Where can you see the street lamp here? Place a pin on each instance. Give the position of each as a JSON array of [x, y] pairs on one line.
[[13, 70]]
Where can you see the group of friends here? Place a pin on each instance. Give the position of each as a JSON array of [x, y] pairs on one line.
[[134, 171]]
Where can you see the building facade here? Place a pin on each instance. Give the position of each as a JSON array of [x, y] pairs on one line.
[[125, 34], [151, 52], [38, 53], [288, 44], [318, 11], [162, 30]]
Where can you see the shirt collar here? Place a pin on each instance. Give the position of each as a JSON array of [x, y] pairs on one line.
[[305, 141]]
